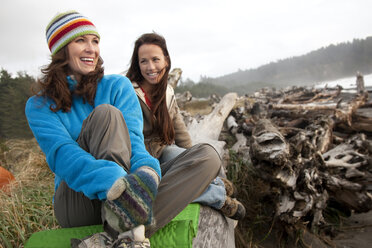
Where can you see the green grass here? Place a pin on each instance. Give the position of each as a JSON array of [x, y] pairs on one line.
[[252, 192]]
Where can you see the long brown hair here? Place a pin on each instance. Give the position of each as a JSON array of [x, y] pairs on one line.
[[158, 95], [53, 83]]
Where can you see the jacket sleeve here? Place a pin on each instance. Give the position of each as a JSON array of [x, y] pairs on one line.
[[79, 169], [126, 100], [182, 136]]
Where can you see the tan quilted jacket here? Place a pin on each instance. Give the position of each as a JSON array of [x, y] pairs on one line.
[[152, 141]]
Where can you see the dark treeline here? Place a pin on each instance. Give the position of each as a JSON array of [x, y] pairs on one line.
[[204, 88], [14, 92], [327, 63]]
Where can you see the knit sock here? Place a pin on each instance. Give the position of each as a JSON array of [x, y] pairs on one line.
[[129, 201]]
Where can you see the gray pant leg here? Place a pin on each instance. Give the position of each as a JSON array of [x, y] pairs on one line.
[[215, 195], [73, 209], [104, 134], [184, 179]]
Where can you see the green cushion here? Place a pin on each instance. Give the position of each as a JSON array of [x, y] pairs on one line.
[[191, 212], [176, 234], [180, 231], [60, 238]]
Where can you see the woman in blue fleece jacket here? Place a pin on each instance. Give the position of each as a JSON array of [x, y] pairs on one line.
[[90, 128]]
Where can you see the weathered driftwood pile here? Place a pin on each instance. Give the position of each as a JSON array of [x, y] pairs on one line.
[[312, 146]]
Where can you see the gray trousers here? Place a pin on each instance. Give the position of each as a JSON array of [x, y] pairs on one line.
[[105, 135]]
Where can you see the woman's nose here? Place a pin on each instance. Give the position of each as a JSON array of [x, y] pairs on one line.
[[151, 65], [90, 47]]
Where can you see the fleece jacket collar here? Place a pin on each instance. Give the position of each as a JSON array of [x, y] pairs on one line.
[[71, 83]]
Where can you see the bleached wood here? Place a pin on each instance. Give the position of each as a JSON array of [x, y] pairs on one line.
[[208, 129], [174, 76]]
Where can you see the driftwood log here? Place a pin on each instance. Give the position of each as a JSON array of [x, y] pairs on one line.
[[208, 128], [292, 166], [174, 76], [241, 142]]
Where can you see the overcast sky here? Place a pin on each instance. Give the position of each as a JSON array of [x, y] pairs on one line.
[[205, 37]]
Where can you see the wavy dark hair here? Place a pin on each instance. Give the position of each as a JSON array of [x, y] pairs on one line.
[[161, 122], [53, 84]]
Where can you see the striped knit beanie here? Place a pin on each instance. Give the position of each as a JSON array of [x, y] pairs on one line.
[[65, 27]]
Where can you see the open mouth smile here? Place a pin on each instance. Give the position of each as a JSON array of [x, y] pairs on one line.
[[89, 60]]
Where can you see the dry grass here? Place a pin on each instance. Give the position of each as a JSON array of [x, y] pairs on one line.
[[201, 107], [27, 206]]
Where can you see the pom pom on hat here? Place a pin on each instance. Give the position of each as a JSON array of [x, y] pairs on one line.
[[65, 27]]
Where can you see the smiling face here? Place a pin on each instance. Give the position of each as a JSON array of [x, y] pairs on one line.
[[152, 63], [83, 54]]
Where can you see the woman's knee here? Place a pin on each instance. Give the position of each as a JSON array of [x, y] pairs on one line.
[[213, 162], [105, 109]]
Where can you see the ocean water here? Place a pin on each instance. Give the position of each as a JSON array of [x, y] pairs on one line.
[[347, 83]]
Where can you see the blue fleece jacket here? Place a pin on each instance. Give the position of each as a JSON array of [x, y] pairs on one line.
[[57, 132]]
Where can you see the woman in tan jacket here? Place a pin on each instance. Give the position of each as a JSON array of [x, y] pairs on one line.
[[166, 136]]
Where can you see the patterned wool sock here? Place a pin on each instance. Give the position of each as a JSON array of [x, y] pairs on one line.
[[129, 201]]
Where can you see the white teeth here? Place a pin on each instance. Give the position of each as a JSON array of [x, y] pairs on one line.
[[152, 74], [87, 59]]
